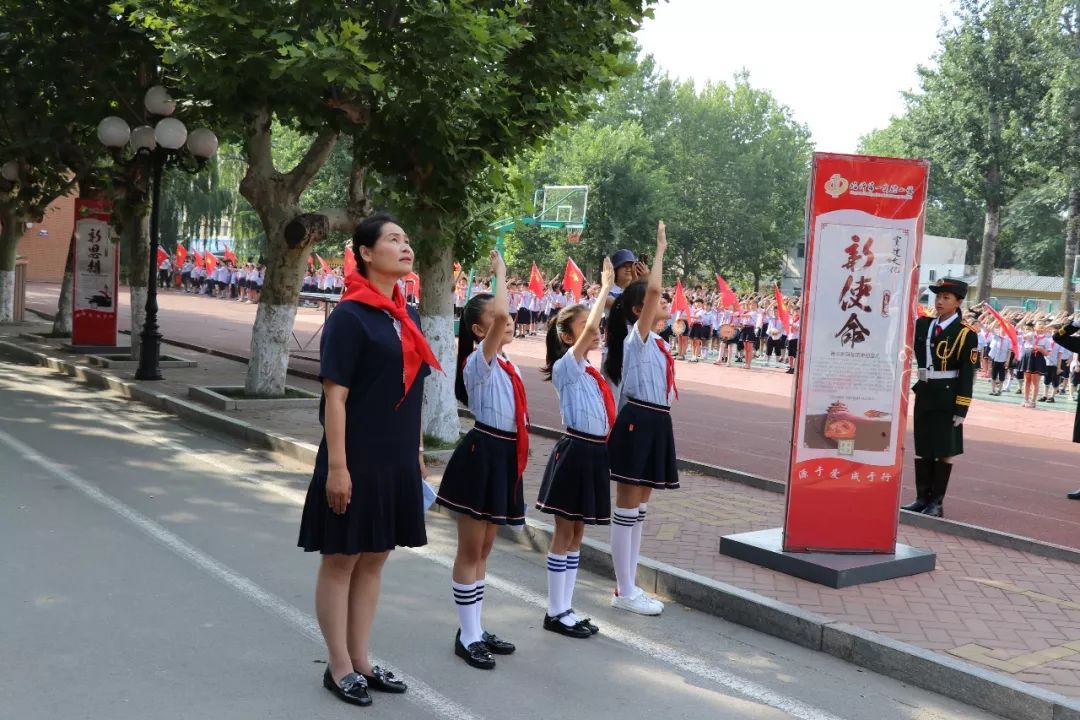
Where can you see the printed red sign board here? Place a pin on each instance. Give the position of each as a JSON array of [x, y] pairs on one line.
[[95, 275], [863, 239]]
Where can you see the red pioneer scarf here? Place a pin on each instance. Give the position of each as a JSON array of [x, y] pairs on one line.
[[670, 368], [414, 346], [521, 415], [605, 392]]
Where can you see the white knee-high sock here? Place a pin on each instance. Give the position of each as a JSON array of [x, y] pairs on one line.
[[572, 561], [623, 521], [479, 607], [465, 599], [639, 528], [556, 581]]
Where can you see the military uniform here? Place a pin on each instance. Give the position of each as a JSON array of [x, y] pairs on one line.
[[947, 359], [1067, 338]]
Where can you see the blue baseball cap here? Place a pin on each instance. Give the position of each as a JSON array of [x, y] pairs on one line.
[[622, 257]]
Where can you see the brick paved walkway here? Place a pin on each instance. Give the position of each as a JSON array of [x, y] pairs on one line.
[[1000, 608]]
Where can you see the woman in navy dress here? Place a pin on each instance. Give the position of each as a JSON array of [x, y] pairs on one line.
[[366, 492]]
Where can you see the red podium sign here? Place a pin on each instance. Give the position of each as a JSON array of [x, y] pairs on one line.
[[863, 238], [95, 275]]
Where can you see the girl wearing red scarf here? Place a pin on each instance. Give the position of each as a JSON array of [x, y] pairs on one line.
[[482, 482], [642, 443], [366, 493], [577, 485]]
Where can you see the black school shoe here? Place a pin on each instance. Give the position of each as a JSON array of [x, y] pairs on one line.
[[496, 645], [352, 688], [384, 681], [555, 625], [588, 624], [477, 654]]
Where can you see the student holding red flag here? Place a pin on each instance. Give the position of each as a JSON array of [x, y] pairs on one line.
[[366, 494], [642, 443], [727, 295], [482, 483], [577, 484]]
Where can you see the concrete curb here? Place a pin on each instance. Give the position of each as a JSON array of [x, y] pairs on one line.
[[908, 663]]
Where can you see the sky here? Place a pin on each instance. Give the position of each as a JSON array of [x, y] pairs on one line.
[[840, 65]]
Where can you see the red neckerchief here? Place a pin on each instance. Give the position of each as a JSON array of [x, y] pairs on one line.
[[414, 346], [521, 414], [605, 392], [670, 368]]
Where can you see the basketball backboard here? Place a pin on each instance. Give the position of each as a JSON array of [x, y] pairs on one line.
[[560, 206]]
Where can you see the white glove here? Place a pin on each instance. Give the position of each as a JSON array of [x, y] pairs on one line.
[[957, 421]]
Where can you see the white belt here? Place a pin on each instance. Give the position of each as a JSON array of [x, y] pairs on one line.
[[940, 374]]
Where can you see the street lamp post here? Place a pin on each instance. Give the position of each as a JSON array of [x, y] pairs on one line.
[[162, 146]]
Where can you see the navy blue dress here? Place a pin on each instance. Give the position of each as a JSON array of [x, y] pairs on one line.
[[361, 350]]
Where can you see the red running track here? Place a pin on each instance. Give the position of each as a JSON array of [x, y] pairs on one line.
[[1013, 477]]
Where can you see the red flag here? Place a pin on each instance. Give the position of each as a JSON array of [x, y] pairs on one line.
[[322, 263], [310, 263], [781, 310], [536, 281], [573, 279], [727, 296], [211, 262], [181, 254], [923, 311], [199, 259], [162, 256], [679, 303], [350, 261], [230, 255], [1009, 330], [412, 284]]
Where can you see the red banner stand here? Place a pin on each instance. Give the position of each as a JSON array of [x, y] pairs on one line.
[[863, 239], [95, 276]]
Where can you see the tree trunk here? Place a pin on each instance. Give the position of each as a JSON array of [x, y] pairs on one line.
[[273, 326], [991, 228], [11, 226], [135, 233], [62, 321], [440, 418], [1072, 246]]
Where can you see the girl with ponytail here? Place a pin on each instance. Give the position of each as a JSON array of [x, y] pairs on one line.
[[482, 483], [576, 486], [641, 447]]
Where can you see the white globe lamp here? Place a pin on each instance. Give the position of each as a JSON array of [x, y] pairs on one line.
[[158, 101], [170, 134], [202, 143], [10, 170], [142, 138], [113, 132]]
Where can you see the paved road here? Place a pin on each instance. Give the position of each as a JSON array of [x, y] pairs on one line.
[[1015, 472], [151, 573]]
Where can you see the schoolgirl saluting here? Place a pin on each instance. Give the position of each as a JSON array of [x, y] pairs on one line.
[[482, 482], [576, 487], [642, 443]]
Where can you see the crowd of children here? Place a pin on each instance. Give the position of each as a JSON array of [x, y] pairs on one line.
[[228, 280], [1039, 368]]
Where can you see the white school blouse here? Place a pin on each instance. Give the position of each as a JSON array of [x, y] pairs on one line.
[[491, 394], [644, 370], [580, 399]]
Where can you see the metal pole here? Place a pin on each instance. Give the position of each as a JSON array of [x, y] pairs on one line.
[[150, 355]]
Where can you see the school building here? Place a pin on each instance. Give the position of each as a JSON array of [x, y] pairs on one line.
[[44, 245]]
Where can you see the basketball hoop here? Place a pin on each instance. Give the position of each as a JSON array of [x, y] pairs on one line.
[[573, 234]]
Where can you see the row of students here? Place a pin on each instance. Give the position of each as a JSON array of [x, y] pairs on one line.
[[632, 444], [227, 281]]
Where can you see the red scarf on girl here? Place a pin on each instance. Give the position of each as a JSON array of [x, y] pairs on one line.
[[605, 392], [670, 367], [414, 346], [521, 414]]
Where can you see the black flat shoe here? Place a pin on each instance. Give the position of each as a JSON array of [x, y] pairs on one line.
[[476, 654], [1074, 495], [497, 646], [384, 681], [555, 625], [934, 509], [352, 688]]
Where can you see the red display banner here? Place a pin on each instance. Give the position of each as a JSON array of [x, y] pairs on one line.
[[95, 275], [863, 239]]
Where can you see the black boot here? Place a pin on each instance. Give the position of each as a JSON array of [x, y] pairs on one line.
[[923, 485], [941, 472]]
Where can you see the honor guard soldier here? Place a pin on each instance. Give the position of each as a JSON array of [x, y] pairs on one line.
[[1068, 338], [947, 353]]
